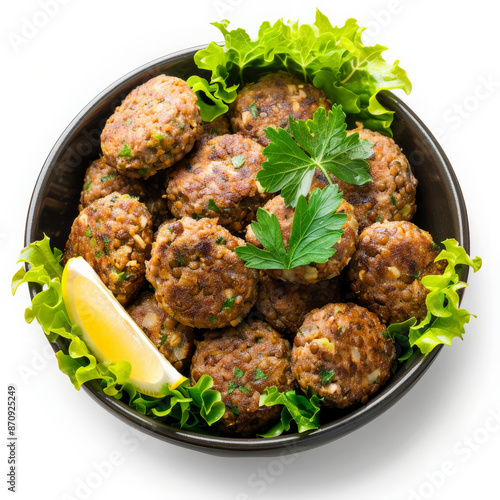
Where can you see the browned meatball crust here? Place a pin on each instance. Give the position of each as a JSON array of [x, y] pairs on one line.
[[114, 235], [198, 278], [341, 354], [242, 362], [386, 270], [314, 272], [219, 181], [102, 179], [155, 126], [174, 340], [271, 101], [391, 194], [285, 305]]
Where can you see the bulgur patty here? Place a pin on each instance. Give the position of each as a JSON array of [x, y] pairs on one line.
[[198, 278], [219, 180], [114, 235], [242, 362], [271, 101], [174, 340], [154, 127], [340, 353], [386, 270], [314, 272]]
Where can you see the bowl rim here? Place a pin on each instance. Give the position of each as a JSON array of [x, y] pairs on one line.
[[289, 443]]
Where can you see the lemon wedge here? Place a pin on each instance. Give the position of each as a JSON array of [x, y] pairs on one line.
[[110, 333]]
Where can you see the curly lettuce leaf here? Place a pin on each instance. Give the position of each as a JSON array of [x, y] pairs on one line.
[[445, 320], [331, 58], [186, 407], [297, 408]]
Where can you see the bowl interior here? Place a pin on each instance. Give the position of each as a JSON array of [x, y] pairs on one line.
[[54, 205]]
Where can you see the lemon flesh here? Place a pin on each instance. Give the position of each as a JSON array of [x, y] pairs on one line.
[[110, 333]]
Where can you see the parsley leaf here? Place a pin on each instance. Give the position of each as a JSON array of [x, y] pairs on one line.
[[315, 229], [292, 157]]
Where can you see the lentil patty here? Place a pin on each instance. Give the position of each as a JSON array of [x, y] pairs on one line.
[[102, 179], [386, 270], [114, 235], [198, 278], [270, 102], [285, 305], [219, 181], [242, 362], [155, 126], [340, 354]]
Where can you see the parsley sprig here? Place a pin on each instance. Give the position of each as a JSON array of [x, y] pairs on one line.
[[315, 229], [292, 157]]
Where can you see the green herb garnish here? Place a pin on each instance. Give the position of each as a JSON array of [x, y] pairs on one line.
[[212, 319], [259, 374], [234, 409], [220, 240], [212, 206], [245, 389], [163, 338], [231, 386], [326, 376], [158, 137], [125, 152], [228, 303], [292, 157], [238, 161], [88, 232], [238, 372], [315, 229], [112, 175], [253, 109], [87, 185]]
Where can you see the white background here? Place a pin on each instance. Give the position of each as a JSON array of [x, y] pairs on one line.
[[445, 423]]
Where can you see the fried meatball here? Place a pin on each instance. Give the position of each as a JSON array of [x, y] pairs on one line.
[[391, 195], [242, 362], [218, 126], [174, 340], [270, 102], [198, 278], [314, 272], [342, 354], [102, 179], [155, 126], [285, 305], [219, 180], [386, 270], [114, 235]]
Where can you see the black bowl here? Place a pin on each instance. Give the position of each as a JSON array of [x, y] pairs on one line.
[[53, 207]]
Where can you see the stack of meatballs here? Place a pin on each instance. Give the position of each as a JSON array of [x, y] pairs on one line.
[[164, 207]]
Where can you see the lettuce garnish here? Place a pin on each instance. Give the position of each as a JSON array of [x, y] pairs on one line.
[[186, 407], [444, 320], [331, 58]]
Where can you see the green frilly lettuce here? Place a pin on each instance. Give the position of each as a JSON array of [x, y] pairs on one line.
[[445, 320], [331, 58], [186, 407]]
